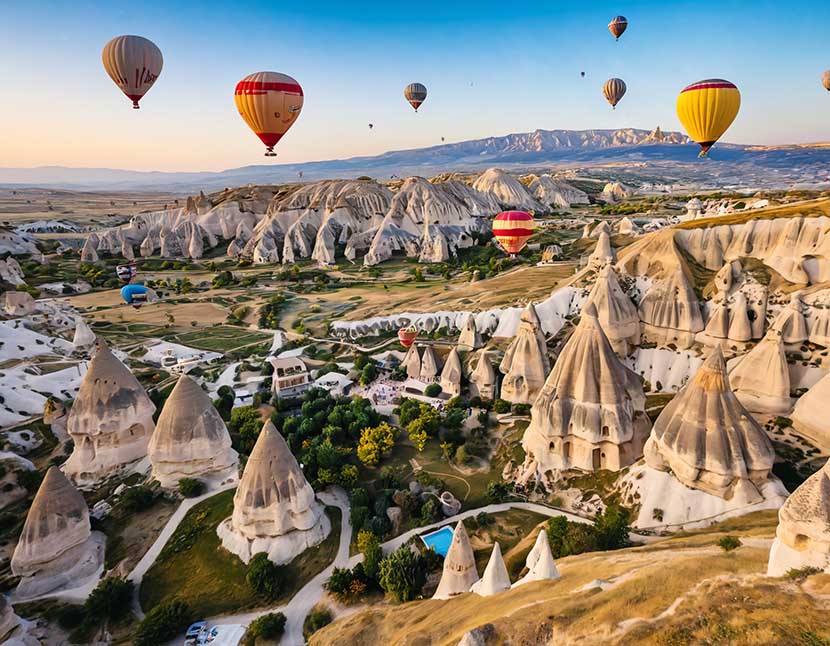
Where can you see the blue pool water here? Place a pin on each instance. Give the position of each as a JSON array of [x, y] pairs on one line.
[[439, 540]]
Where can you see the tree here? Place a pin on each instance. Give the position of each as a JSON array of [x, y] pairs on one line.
[[191, 487], [244, 425], [501, 406], [315, 620], [369, 545], [368, 374], [361, 361], [225, 402], [163, 623], [496, 491], [612, 528], [433, 390], [348, 476], [374, 442], [339, 581], [110, 601], [137, 498], [418, 435], [729, 543], [265, 577], [270, 626], [402, 574]]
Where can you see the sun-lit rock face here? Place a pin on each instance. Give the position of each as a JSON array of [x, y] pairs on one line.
[[553, 192], [708, 439], [810, 414], [791, 323], [509, 192], [18, 303], [820, 327], [190, 440], [470, 338], [483, 379], [670, 311], [430, 365], [525, 364], [451, 374], [761, 380], [495, 578], [89, 252], [274, 508], [539, 562], [110, 421], [616, 312], [803, 535], [84, 337], [11, 272], [56, 548], [603, 254], [590, 413], [459, 573], [616, 192]]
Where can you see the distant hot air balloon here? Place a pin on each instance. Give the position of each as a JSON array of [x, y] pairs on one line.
[[442, 139], [582, 74], [617, 26], [125, 273], [270, 103], [416, 94], [136, 295], [300, 174], [614, 90], [825, 80], [512, 229], [407, 336], [371, 125], [707, 109], [133, 63]]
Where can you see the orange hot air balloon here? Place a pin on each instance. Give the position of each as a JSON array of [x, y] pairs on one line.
[[407, 336], [825, 80], [133, 63], [416, 94], [512, 229], [614, 90], [270, 103], [617, 26]]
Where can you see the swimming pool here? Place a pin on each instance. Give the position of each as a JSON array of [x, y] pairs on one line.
[[439, 540]]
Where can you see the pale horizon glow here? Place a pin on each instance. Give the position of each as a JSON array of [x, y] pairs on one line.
[[491, 69]]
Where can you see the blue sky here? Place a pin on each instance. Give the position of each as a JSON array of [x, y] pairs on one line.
[[491, 68]]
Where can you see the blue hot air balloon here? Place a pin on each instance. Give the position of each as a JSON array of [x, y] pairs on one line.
[[136, 295]]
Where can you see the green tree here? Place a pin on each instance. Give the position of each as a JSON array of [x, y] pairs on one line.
[[433, 390], [265, 577], [374, 442], [402, 574], [163, 623], [224, 404], [270, 626], [244, 425], [191, 487], [368, 374], [137, 498], [369, 545], [418, 434], [110, 600]]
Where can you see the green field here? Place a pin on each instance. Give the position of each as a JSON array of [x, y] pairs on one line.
[[222, 338]]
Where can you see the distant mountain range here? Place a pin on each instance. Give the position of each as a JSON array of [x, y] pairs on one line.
[[659, 152]]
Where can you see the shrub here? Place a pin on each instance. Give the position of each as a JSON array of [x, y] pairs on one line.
[[802, 573], [496, 491], [163, 623], [374, 442], [501, 406], [402, 574], [270, 626], [137, 498], [369, 545], [433, 390], [110, 601], [191, 487], [264, 577], [729, 543], [316, 619]]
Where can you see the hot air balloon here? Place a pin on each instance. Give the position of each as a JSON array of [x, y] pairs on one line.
[[512, 229], [270, 103], [617, 26], [416, 94], [614, 90], [825, 80], [136, 295], [133, 63], [442, 139], [407, 336], [582, 74], [125, 273], [706, 109], [371, 125]]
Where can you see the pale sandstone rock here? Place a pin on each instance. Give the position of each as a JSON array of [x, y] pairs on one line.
[[590, 415], [617, 314], [603, 253], [615, 192], [84, 337], [274, 508], [708, 439], [670, 311], [483, 380], [459, 573], [508, 191], [111, 420], [430, 365], [525, 364], [451, 374], [791, 323], [190, 440], [89, 252], [539, 562], [810, 414], [495, 578], [761, 379], [469, 339], [740, 327], [11, 272], [9, 621], [820, 327], [19, 304], [554, 193]]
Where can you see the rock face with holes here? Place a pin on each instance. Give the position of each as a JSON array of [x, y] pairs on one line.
[[590, 414], [470, 338], [57, 550], [459, 573], [616, 312], [803, 536], [670, 312], [761, 379], [525, 363], [274, 508], [110, 421], [810, 414], [451, 374], [483, 380], [190, 440], [709, 441]]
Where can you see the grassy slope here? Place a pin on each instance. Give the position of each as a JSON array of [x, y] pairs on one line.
[[677, 592]]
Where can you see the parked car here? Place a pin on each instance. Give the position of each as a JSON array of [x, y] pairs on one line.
[[196, 634]]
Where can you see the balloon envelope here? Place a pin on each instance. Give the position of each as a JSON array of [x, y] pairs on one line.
[[136, 295], [269, 102], [825, 80], [125, 273], [617, 26], [407, 336], [416, 94], [512, 229], [707, 109], [613, 90], [133, 63]]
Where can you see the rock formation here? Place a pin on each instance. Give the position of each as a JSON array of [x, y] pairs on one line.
[[525, 364], [451, 374], [190, 440], [615, 192], [430, 365], [11, 272], [616, 312], [89, 253], [590, 413], [412, 362], [459, 572], [469, 339], [554, 193], [84, 337], [274, 508], [508, 191], [603, 253], [810, 415], [761, 379], [791, 323], [56, 549], [18, 304], [110, 421], [9, 621], [539, 563], [803, 535], [670, 311], [820, 327], [495, 578], [483, 379], [708, 439]]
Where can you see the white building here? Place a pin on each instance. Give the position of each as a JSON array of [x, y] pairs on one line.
[[338, 385], [291, 377]]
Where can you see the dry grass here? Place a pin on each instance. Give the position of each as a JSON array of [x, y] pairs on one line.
[[805, 208]]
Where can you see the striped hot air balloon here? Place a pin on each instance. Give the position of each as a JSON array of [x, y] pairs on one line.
[[407, 336], [416, 94], [133, 63], [512, 229], [707, 109], [270, 103], [617, 26], [613, 90]]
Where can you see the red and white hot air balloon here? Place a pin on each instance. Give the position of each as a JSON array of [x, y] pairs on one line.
[[270, 103], [512, 229], [407, 336]]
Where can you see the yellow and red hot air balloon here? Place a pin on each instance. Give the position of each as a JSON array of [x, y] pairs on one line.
[[270, 103], [707, 109], [133, 63], [416, 94], [617, 26], [613, 90], [825, 80], [407, 336], [512, 229]]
